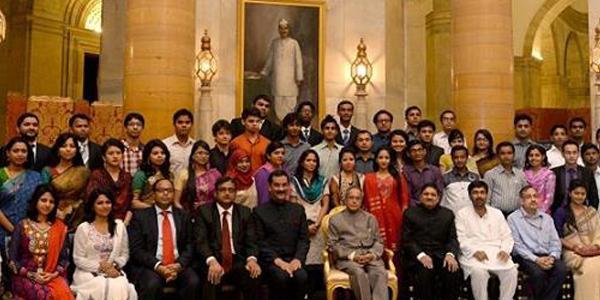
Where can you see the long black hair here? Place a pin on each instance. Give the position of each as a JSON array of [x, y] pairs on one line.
[[11, 143], [570, 221], [391, 167], [61, 140], [146, 165], [90, 213], [300, 169], [40, 190], [488, 136], [189, 191]]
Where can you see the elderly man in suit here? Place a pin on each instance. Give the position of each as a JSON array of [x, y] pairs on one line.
[[227, 242], [355, 240], [161, 247]]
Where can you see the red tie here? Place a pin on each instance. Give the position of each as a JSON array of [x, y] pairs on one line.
[[168, 250], [226, 244]]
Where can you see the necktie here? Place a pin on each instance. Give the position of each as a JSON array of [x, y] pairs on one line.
[[346, 135], [167, 235], [306, 133], [226, 244]]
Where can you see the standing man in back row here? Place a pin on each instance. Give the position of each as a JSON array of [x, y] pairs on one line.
[[180, 144], [268, 129], [347, 133]]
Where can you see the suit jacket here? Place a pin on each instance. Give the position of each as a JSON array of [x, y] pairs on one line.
[[269, 129], [433, 155], [282, 231], [584, 174], [143, 237], [95, 160], [42, 157], [209, 234], [314, 137], [353, 133], [430, 231], [354, 233]]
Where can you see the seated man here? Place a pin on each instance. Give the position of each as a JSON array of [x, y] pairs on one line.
[[537, 246], [231, 255], [486, 243], [161, 247], [355, 240], [430, 247], [282, 235]]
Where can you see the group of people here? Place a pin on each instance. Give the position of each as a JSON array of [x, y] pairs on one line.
[[128, 220]]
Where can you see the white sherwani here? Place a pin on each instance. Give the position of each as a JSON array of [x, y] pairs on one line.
[[490, 234], [284, 65]]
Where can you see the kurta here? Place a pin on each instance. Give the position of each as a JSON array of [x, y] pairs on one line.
[[489, 233], [284, 65]]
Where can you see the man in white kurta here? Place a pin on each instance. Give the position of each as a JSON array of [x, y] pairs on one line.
[[486, 243], [284, 66]]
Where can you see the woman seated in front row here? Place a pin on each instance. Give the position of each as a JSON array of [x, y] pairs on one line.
[[101, 250], [38, 255]]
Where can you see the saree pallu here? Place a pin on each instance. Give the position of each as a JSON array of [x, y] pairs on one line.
[[70, 186], [385, 199], [15, 194]]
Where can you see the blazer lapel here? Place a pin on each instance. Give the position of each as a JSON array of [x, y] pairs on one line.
[[235, 230], [153, 227], [218, 226]]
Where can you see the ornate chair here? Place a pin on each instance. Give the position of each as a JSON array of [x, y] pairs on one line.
[[335, 278]]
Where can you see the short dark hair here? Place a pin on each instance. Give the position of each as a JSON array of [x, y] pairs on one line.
[[522, 117], [223, 180], [458, 148], [447, 111], [429, 185], [413, 107], [588, 146], [381, 112], [112, 142], [261, 97], [220, 124], [278, 173], [80, 116], [558, 126], [597, 133], [290, 119], [525, 188], [303, 104], [251, 112], [40, 190], [26, 115], [364, 131], [181, 113], [133, 115], [272, 146], [329, 119], [455, 134], [569, 142], [344, 102], [425, 123], [478, 184], [505, 144], [577, 119]]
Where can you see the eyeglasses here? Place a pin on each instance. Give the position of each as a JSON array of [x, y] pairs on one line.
[[384, 121], [161, 191]]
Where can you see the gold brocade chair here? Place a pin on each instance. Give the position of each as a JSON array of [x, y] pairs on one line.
[[335, 278]]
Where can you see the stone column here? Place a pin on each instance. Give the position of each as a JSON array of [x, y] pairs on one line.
[[593, 22], [112, 54], [159, 61], [482, 56], [439, 59]]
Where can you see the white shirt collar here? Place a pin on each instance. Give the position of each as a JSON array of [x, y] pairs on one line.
[[159, 210], [220, 209], [84, 143]]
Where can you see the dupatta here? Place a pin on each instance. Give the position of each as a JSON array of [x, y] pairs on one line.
[[56, 239]]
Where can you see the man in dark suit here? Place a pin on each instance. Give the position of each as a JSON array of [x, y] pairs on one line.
[[156, 260], [426, 129], [226, 240], [79, 125], [569, 171], [268, 129], [347, 133], [306, 113], [28, 126], [430, 246], [282, 234]]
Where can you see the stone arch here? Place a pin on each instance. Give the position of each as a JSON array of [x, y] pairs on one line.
[[541, 22], [77, 11]]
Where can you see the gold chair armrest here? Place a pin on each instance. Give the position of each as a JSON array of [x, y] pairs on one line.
[[326, 264], [389, 259]]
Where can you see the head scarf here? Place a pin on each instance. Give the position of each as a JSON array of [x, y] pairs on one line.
[[242, 180]]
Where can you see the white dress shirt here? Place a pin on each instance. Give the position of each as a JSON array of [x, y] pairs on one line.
[[159, 245], [556, 159], [84, 149], [229, 218], [180, 152]]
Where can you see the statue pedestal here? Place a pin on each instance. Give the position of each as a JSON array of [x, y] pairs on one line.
[[203, 110]]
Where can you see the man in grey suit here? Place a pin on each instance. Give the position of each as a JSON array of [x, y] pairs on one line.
[[354, 238]]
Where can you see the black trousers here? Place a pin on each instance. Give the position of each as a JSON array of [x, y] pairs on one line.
[[546, 284], [238, 276], [149, 284], [426, 281], [282, 286]]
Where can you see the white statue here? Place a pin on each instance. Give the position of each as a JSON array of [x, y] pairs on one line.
[[284, 66], [2, 27]]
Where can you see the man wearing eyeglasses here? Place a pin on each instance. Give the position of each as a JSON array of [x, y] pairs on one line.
[[383, 120]]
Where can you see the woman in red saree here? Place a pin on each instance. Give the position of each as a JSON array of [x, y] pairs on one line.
[[37, 252], [386, 196]]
